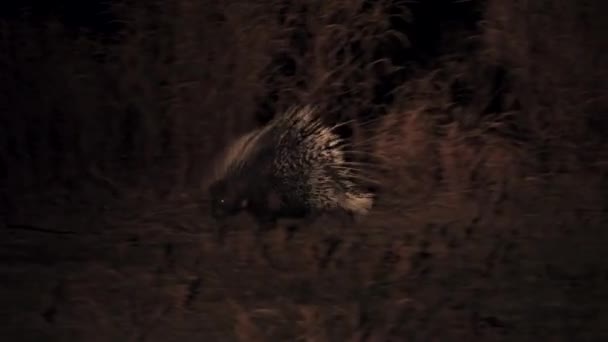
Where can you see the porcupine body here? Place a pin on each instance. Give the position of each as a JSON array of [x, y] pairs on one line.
[[294, 167]]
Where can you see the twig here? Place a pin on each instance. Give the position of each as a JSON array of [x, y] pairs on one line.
[[39, 229]]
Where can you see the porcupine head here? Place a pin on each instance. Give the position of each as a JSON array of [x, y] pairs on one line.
[[242, 179], [227, 199]]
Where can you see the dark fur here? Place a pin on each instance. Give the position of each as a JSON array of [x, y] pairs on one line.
[[259, 198]]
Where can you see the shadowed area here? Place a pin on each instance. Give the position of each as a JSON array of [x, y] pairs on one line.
[[487, 120]]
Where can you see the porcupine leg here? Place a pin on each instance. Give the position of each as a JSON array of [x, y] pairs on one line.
[[265, 224], [291, 230], [306, 221], [333, 240]]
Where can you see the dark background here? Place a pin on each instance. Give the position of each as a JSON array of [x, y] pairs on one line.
[[489, 118]]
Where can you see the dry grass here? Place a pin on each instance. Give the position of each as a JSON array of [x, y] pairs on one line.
[[493, 155]]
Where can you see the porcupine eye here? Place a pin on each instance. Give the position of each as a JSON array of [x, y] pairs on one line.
[[223, 203], [232, 206], [220, 202], [237, 205]]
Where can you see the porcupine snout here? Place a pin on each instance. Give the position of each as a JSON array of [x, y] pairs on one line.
[[225, 201]]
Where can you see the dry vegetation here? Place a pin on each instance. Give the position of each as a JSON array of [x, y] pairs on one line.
[[491, 220]]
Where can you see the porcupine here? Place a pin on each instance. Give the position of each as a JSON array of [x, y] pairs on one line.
[[293, 167]]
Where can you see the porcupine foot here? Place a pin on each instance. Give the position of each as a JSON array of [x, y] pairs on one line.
[[333, 239], [295, 225], [265, 225], [291, 230]]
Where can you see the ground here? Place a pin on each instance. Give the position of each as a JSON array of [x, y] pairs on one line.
[[526, 266]]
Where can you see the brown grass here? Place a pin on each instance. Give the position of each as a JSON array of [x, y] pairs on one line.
[[493, 186]]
